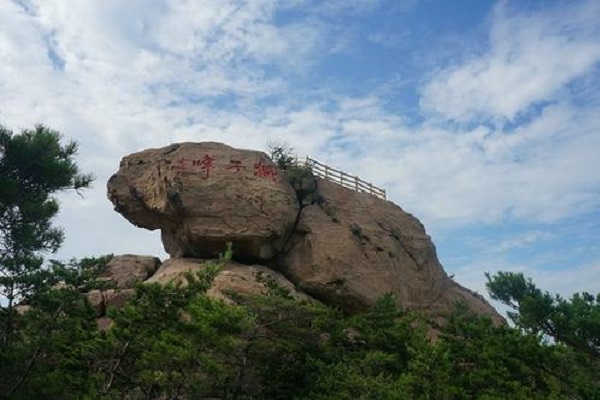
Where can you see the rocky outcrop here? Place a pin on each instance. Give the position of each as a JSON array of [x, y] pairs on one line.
[[345, 248], [119, 279], [203, 195], [232, 278], [352, 248], [125, 271], [101, 300]]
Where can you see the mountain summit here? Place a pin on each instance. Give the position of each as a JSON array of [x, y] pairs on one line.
[[340, 246]]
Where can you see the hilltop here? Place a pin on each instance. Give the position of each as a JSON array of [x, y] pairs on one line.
[[339, 246]]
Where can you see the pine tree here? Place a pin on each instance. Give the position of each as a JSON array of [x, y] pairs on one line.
[[34, 165]]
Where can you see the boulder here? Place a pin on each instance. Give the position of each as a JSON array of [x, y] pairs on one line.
[[102, 300], [352, 248], [22, 309], [117, 297], [104, 323], [125, 271], [96, 300], [204, 195], [232, 278]]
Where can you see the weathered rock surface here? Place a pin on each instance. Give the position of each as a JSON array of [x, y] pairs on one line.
[[104, 323], [233, 277], [121, 275], [101, 300], [203, 195], [96, 300], [125, 271], [117, 298], [353, 248], [348, 250]]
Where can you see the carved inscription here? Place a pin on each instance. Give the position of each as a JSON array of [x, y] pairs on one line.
[[206, 164], [235, 165], [265, 171]]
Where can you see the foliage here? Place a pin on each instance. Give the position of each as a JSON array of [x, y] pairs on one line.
[[573, 325], [166, 341], [34, 165], [304, 183], [175, 341], [53, 336], [365, 355], [475, 359], [282, 155], [574, 322], [300, 177]]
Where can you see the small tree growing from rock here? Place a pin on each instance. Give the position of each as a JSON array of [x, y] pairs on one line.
[[302, 180], [299, 176], [282, 155]]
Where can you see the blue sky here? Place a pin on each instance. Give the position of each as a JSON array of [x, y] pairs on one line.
[[481, 118]]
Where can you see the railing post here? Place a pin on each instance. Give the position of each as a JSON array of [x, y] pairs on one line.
[[356, 182]]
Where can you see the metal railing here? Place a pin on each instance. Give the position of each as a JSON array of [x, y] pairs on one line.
[[341, 178]]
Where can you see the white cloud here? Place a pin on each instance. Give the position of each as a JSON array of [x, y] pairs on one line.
[[531, 57], [516, 241], [337, 7], [544, 171], [138, 67], [565, 281]]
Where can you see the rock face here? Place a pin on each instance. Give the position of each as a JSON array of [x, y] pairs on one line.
[[125, 271], [233, 277], [203, 195], [347, 249], [353, 248]]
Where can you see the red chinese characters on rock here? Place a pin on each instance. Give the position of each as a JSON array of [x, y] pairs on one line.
[[180, 165], [265, 171], [206, 163], [235, 166]]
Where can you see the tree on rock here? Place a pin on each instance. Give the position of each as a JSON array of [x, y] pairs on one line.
[[34, 165]]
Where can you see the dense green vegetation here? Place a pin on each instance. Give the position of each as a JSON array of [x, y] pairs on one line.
[[175, 342]]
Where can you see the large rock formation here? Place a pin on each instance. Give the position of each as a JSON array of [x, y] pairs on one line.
[[203, 195], [354, 247], [346, 249]]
